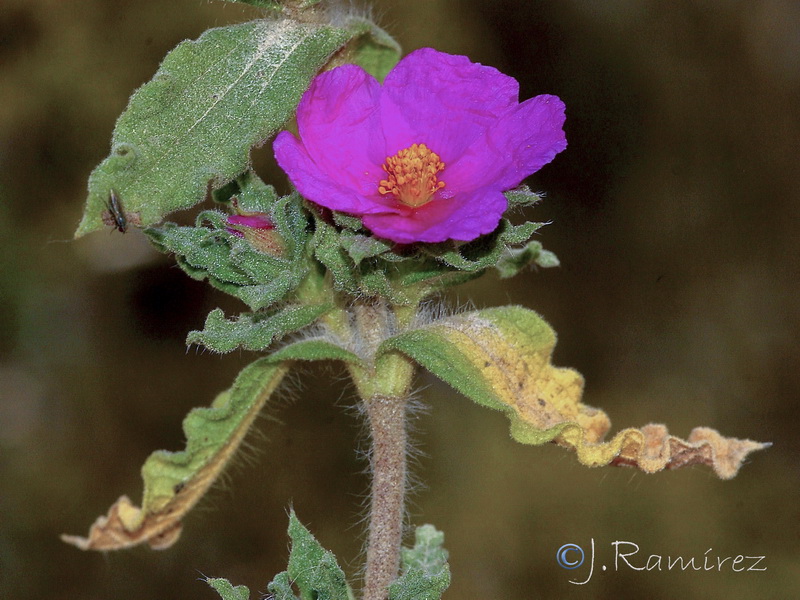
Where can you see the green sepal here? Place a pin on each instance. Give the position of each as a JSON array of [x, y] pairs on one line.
[[373, 50], [226, 590], [254, 331], [363, 265], [312, 569], [522, 196], [425, 572], [359, 246], [516, 259]]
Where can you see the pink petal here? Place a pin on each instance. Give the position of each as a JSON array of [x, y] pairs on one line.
[[516, 146], [342, 143], [462, 217], [255, 221], [313, 183], [444, 101]]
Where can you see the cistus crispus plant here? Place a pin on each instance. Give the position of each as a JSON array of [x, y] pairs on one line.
[[404, 173]]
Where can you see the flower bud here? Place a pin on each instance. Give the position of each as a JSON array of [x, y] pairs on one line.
[[258, 230]]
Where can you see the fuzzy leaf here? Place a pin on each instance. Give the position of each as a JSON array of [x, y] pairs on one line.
[[210, 102], [315, 349], [500, 358], [253, 331], [175, 481], [426, 574], [312, 569], [227, 591]]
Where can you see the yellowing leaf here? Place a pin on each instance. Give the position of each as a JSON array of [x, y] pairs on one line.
[[175, 481], [500, 358]]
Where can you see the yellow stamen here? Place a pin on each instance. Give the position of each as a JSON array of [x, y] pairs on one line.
[[412, 175]]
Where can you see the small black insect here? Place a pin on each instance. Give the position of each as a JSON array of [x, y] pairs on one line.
[[115, 215]]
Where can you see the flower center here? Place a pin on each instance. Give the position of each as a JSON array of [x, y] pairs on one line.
[[412, 175]]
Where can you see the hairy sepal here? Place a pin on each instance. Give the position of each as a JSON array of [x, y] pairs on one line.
[[227, 591], [363, 265], [500, 358]]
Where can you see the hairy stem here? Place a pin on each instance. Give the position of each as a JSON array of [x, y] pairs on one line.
[[387, 425], [383, 384]]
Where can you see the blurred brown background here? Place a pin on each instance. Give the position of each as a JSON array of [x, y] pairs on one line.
[[675, 215]]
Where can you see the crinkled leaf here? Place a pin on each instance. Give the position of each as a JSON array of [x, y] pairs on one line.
[[312, 569], [485, 251], [425, 572], [175, 481], [253, 331], [500, 358], [210, 102], [227, 591]]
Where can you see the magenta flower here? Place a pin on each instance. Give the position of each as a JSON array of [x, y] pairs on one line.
[[427, 156]]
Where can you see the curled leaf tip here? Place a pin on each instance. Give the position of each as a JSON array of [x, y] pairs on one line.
[[651, 449], [124, 527], [501, 358], [174, 482]]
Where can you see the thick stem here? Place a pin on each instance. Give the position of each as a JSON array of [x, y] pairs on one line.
[[387, 425]]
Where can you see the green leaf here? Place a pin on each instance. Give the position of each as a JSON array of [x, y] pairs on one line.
[[253, 331], [312, 569], [374, 50], [425, 572], [227, 591], [315, 349], [210, 101]]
